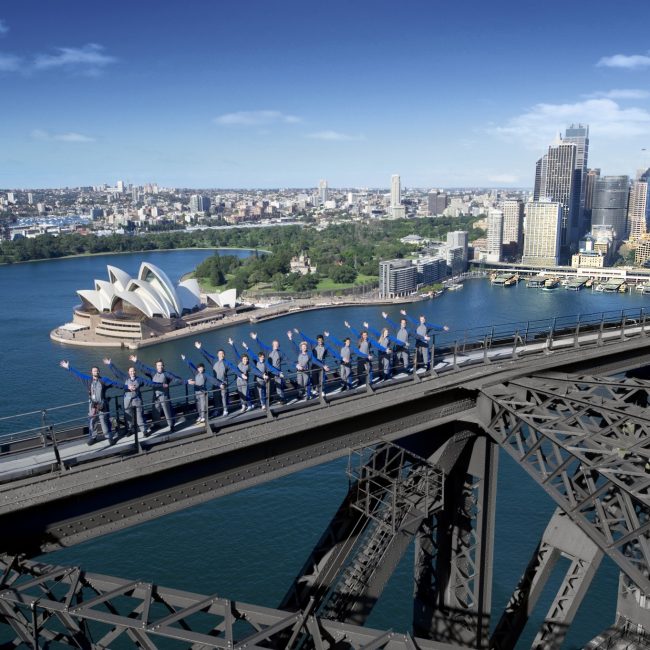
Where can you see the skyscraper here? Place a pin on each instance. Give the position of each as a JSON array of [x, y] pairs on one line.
[[494, 235], [610, 204], [395, 191], [323, 192], [556, 179], [578, 134], [513, 226], [638, 211], [590, 181], [199, 203], [542, 233]]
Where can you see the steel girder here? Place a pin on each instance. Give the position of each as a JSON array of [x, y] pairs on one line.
[[454, 549], [42, 604], [561, 538], [585, 441]]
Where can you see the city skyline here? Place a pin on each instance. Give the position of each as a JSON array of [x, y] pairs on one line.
[[275, 96]]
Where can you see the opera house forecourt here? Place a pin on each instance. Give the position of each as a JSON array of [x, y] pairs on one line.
[[133, 312]]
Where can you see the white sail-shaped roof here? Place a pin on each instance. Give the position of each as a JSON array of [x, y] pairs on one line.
[[118, 277], [151, 293], [158, 278]]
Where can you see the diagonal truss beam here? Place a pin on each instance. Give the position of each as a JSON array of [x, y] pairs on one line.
[[585, 441]]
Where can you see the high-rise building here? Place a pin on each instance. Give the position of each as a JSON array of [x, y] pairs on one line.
[[590, 181], [120, 186], [436, 203], [11, 197], [431, 269], [199, 203], [397, 278], [578, 134], [513, 226], [609, 207], [638, 211], [323, 192], [556, 180], [458, 241], [542, 233], [494, 235], [30, 198], [395, 191]]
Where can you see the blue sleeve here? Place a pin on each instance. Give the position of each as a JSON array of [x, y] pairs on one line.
[[262, 345], [119, 374], [378, 345], [148, 382], [81, 376], [234, 347], [271, 368], [433, 326], [392, 323], [355, 350], [374, 331], [255, 370], [213, 381], [355, 331], [309, 340], [142, 367], [210, 357], [396, 341], [191, 365], [335, 353], [411, 320], [316, 361], [336, 341], [295, 345], [233, 367]]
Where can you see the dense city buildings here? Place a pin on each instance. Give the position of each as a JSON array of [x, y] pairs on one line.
[[542, 233], [609, 207]]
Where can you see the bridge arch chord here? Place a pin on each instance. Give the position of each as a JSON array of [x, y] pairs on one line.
[[585, 441]]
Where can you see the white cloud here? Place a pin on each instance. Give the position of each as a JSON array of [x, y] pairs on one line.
[[9, 62], [3, 27], [503, 178], [333, 136], [537, 127], [89, 57], [69, 136], [255, 118], [621, 93], [624, 61]]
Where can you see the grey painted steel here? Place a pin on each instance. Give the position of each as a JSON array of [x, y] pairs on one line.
[[105, 495], [561, 538], [42, 604], [584, 440], [453, 559]]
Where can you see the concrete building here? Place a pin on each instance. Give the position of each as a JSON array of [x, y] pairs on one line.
[[494, 235], [638, 210], [609, 206], [457, 240], [437, 203], [513, 227], [397, 278], [323, 192], [431, 270], [578, 134], [199, 203], [542, 233]]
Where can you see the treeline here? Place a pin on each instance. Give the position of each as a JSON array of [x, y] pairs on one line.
[[340, 252]]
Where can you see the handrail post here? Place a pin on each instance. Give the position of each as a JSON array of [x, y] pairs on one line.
[[514, 345], [643, 319], [486, 356], [576, 340], [432, 361], [206, 414], [321, 396], [48, 432], [455, 364], [600, 330], [267, 398], [526, 334], [623, 320], [550, 335]]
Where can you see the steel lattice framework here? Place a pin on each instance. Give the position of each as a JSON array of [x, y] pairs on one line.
[[67, 605], [585, 441]]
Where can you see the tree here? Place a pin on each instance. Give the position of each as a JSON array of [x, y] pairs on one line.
[[343, 274]]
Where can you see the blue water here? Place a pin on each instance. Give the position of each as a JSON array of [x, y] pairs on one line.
[[249, 546]]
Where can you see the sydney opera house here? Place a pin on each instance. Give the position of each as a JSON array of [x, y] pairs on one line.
[[147, 306]]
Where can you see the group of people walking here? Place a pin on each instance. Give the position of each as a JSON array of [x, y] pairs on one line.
[[311, 367]]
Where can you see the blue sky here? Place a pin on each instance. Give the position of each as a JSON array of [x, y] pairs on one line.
[[254, 93]]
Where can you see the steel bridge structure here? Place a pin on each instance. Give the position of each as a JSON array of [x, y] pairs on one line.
[[569, 405]]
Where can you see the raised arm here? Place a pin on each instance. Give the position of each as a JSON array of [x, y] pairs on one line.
[[372, 330], [142, 367], [189, 363], [354, 330], [305, 337], [408, 318], [295, 345], [234, 368], [81, 376], [334, 340], [389, 320], [209, 357], [262, 346], [234, 347], [437, 328], [118, 374], [335, 353]]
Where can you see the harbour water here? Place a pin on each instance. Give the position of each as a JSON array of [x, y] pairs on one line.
[[249, 546]]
